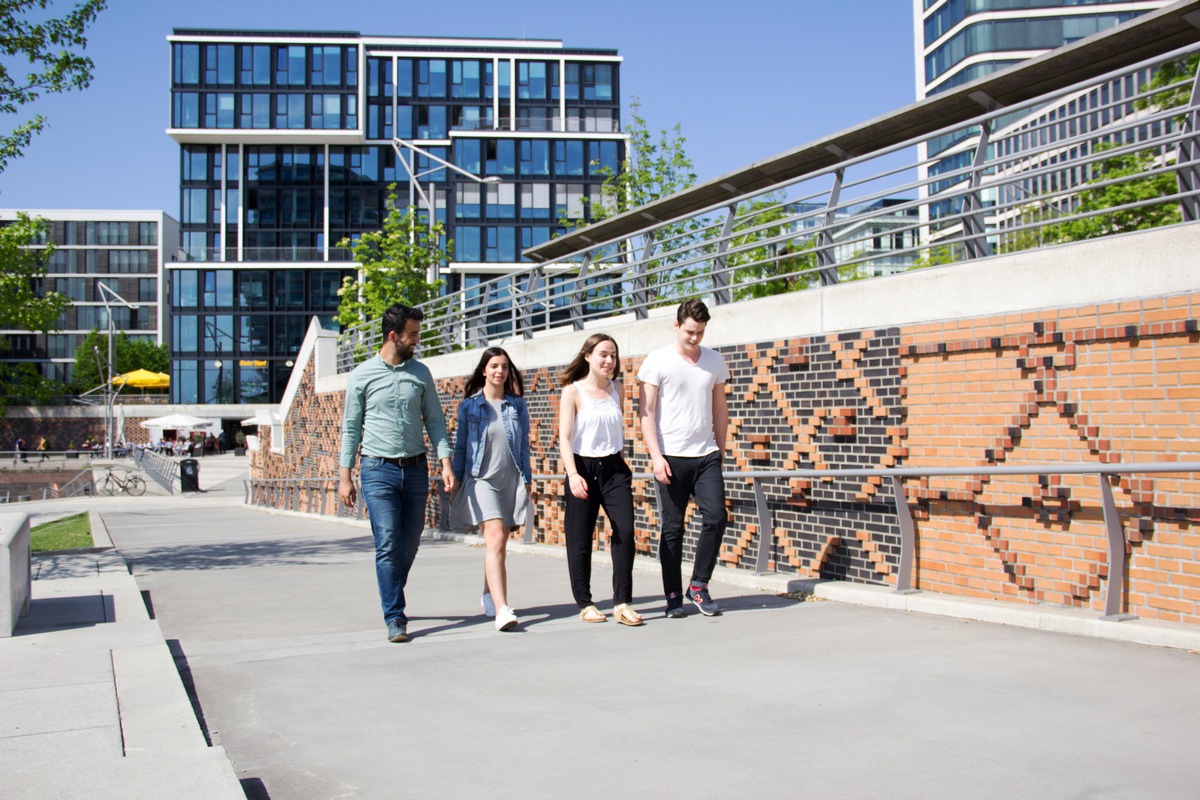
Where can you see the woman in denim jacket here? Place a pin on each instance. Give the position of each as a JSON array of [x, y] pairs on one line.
[[491, 466]]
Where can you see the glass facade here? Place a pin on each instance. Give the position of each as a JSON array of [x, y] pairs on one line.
[[306, 170], [122, 255]]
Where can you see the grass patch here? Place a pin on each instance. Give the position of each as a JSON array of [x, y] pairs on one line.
[[69, 533]]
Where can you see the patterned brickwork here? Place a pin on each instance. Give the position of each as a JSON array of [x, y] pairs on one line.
[[1107, 384], [1098, 384]]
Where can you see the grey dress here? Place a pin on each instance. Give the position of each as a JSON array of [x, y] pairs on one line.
[[498, 492]]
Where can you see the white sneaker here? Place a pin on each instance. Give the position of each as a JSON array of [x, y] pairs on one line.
[[489, 608], [506, 619]]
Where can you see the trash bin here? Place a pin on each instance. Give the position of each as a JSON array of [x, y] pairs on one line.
[[189, 475]]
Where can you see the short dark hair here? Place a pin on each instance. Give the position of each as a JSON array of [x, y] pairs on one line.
[[692, 309], [397, 316]]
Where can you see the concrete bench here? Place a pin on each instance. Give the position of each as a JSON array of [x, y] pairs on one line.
[[16, 571]]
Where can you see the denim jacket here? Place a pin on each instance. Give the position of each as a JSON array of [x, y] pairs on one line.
[[470, 436]]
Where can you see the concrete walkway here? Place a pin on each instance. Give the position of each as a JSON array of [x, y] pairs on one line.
[[274, 625]]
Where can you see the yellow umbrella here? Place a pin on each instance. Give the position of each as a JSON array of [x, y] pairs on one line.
[[143, 379]]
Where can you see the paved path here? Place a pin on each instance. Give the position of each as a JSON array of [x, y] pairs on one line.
[[274, 624]]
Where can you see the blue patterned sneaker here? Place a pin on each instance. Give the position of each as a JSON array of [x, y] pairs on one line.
[[698, 594], [489, 606], [397, 630], [674, 607]]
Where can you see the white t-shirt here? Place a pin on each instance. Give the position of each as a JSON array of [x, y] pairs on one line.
[[685, 391]]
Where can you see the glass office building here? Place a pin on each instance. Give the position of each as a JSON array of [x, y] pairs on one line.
[[289, 142], [958, 41], [123, 250]]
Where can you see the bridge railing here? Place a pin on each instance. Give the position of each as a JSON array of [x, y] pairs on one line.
[[1110, 153], [319, 495]]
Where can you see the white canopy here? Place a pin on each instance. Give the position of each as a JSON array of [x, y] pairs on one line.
[[178, 422]]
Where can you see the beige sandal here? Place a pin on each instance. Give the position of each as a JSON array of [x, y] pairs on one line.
[[592, 614], [625, 615]]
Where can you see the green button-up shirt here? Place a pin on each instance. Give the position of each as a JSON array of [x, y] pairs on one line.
[[385, 409]]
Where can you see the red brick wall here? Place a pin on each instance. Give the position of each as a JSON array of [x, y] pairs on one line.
[[1097, 384]]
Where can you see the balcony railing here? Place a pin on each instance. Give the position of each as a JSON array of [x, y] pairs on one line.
[[1046, 169], [264, 254]]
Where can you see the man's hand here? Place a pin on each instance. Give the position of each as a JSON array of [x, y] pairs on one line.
[[448, 477], [346, 491], [662, 470]]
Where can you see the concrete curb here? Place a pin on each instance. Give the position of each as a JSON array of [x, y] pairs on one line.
[[100, 538], [1074, 622]]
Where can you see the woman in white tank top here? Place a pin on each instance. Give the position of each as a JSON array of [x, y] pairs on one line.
[[591, 432]]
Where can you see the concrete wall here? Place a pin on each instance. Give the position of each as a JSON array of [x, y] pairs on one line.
[[1079, 353], [16, 570]]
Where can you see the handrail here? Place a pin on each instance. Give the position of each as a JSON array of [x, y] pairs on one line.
[[161, 469], [271, 490], [729, 241]]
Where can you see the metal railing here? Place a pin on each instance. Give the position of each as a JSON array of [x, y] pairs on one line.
[[310, 495], [264, 254], [160, 469], [1043, 171]]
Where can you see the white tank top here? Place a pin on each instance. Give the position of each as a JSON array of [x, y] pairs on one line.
[[599, 424]]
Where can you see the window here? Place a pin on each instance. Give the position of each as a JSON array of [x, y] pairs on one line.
[[74, 288], [466, 243], [535, 157], [467, 154], [147, 290], [254, 334], [327, 66], [531, 80], [218, 333], [568, 201], [256, 111], [466, 200], [535, 201], [604, 158], [568, 158], [129, 261], [431, 77], [464, 79], [256, 65], [187, 64], [183, 333], [404, 77], [500, 157], [148, 232], [186, 111], [597, 82], [533, 236], [252, 289], [501, 200], [218, 64], [289, 66], [501, 245]]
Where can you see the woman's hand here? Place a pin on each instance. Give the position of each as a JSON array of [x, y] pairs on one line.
[[577, 485]]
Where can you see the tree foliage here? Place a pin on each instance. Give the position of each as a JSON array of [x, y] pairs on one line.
[[655, 166], [24, 250], [52, 47], [394, 265], [765, 259], [128, 354]]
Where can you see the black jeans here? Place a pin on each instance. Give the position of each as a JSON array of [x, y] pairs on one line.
[[698, 477], [609, 485]]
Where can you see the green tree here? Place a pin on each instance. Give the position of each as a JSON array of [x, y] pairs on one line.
[[1124, 174], [394, 265], [653, 168], [765, 260], [128, 353], [24, 251], [52, 47]]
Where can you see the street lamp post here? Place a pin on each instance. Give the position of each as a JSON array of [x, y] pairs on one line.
[[109, 394], [414, 177], [220, 365]]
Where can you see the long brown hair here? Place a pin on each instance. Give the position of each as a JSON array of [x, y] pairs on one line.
[[578, 368], [514, 384]]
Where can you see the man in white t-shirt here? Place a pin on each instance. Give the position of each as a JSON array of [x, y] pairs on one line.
[[684, 420]]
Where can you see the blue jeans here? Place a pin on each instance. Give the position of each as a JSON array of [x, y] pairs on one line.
[[395, 498]]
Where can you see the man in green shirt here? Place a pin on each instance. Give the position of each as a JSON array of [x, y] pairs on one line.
[[391, 403]]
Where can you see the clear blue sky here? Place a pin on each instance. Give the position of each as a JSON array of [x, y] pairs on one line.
[[745, 80]]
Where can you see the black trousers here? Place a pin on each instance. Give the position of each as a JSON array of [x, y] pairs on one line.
[[698, 477], [609, 485]]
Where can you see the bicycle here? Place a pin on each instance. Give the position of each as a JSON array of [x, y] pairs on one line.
[[131, 484]]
